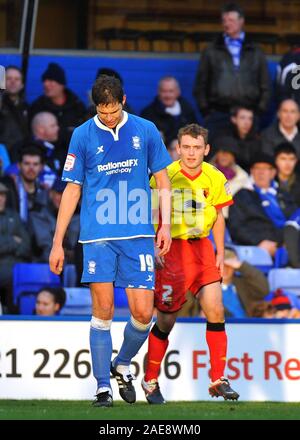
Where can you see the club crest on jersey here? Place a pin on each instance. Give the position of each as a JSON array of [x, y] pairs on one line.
[[136, 142], [92, 267], [70, 162]]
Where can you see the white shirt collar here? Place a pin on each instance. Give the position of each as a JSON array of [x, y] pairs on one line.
[[288, 136], [115, 133]]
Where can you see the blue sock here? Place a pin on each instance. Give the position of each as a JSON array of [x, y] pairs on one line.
[[135, 334], [101, 351]]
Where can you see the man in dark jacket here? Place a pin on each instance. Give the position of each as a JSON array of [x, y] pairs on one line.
[[259, 213], [14, 248], [169, 111], [284, 129], [14, 127], [60, 101], [232, 71]]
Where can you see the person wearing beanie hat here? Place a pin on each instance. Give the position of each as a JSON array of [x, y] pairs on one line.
[[60, 101], [54, 73]]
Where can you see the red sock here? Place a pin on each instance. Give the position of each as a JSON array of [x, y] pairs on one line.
[[156, 351], [217, 343]]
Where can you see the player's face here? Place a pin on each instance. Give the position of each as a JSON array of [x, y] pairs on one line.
[[192, 152], [110, 114]]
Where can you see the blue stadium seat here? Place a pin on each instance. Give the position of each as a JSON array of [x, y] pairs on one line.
[[29, 278], [281, 258], [78, 301], [256, 256], [285, 278], [69, 276]]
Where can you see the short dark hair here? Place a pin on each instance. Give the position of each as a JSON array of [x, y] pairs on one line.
[[31, 150], [234, 110], [58, 293], [193, 130], [285, 147], [13, 67], [107, 90], [233, 7]]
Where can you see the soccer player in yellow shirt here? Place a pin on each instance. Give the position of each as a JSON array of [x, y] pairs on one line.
[[199, 191]]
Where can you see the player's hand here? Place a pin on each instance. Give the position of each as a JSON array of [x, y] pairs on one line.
[[220, 263], [56, 259], [163, 239], [159, 261]]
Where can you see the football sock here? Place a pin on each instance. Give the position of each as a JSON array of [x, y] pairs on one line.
[[157, 346], [135, 334], [101, 350], [217, 343]]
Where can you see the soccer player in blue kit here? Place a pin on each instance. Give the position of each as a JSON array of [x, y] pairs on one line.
[[108, 161]]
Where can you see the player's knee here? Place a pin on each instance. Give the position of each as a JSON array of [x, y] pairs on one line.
[[143, 316], [103, 312], [215, 314]]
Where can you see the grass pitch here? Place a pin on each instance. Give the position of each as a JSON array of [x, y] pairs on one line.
[[82, 410]]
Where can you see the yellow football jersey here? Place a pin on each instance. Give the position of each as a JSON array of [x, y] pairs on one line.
[[195, 200]]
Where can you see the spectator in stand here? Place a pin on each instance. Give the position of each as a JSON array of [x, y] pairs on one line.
[[262, 309], [108, 72], [259, 214], [288, 75], [225, 161], [43, 226], [14, 248], [60, 101], [14, 126], [241, 128], [232, 72], [284, 129], [172, 149], [241, 292], [287, 178], [49, 301], [169, 111], [29, 195]]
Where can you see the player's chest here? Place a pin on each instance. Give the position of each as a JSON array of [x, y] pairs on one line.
[[106, 153]]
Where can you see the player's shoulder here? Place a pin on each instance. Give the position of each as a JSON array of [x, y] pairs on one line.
[[212, 171], [173, 168], [142, 122], [84, 128]]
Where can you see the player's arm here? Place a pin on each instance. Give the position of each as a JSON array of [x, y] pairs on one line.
[[164, 191], [218, 231], [69, 201]]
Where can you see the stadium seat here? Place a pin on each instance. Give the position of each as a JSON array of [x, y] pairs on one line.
[[256, 256], [69, 276], [285, 278], [78, 301], [29, 278], [281, 258]]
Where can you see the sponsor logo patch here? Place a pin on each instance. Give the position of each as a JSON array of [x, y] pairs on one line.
[[70, 162]]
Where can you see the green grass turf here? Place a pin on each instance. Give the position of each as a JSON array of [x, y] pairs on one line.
[[82, 410]]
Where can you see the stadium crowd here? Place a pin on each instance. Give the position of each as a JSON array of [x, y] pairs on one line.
[[232, 91]]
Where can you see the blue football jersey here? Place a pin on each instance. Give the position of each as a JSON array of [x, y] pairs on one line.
[[113, 168]]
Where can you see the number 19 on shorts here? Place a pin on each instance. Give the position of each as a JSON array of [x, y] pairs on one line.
[[146, 262]]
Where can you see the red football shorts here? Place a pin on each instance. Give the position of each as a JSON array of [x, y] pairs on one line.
[[189, 265]]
